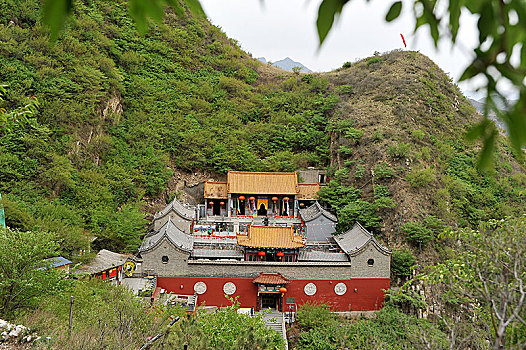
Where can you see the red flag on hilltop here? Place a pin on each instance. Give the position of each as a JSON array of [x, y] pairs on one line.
[[403, 39]]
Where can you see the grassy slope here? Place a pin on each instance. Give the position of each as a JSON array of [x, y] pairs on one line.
[[413, 119], [120, 113]]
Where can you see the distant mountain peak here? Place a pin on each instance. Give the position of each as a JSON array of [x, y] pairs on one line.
[[286, 64]]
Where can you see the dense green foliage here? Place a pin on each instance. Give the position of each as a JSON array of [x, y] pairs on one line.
[[24, 277], [484, 276], [389, 329], [224, 329], [119, 113], [402, 262], [104, 316]]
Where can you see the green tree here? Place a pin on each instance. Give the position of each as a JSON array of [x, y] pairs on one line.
[[24, 276], [17, 117], [486, 276]]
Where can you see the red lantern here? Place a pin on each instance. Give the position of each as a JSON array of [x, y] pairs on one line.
[[274, 198], [280, 254], [211, 204], [302, 204], [286, 199], [283, 290], [222, 203], [261, 253], [252, 199], [241, 198]]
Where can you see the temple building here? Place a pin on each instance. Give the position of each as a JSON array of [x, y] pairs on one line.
[[264, 238]]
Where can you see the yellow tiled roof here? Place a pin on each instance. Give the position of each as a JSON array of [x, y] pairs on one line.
[[308, 191], [262, 183], [216, 190], [270, 237]]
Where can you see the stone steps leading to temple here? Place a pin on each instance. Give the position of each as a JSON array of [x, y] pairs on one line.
[[274, 320]]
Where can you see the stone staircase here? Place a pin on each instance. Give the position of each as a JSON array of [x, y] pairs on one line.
[[274, 320]]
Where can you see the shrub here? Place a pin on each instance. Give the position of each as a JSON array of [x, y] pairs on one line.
[[360, 170], [400, 150], [312, 315], [381, 191], [345, 89], [418, 135], [354, 135], [420, 178], [347, 64], [417, 233], [402, 261], [373, 60], [377, 135], [383, 171], [345, 150], [362, 211], [307, 78], [436, 225]]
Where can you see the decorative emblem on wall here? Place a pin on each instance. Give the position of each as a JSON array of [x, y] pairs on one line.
[[310, 289], [229, 288], [340, 288], [200, 287]]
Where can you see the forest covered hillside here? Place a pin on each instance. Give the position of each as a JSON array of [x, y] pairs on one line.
[[120, 115]]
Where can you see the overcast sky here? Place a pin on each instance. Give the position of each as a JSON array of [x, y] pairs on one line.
[[276, 29]]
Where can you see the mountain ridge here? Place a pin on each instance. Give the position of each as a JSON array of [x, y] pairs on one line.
[[287, 64]]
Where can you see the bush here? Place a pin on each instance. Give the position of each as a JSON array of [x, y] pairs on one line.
[[347, 64], [312, 315], [399, 151], [360, 170], [420, 178], [104, 316], [383, 171], [353, 135], [402, 261], [345, 89], [381, 191], [436, 225], [373, 60], [24, 275], [417, 233], [418, 135]]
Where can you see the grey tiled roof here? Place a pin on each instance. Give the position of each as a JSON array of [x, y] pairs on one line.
[[172, 233], [322, 256], [314, 211], [217, 253], [104, 260], [355, 239], [183, 211]]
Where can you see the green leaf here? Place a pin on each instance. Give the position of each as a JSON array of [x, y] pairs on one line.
[[141, 10], [326, 13], [486, 21], [54, 15], [394, 11], [454, 16], [488, 150], [430, 18]]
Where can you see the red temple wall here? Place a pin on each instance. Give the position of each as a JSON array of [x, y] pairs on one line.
[[361, 294]]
